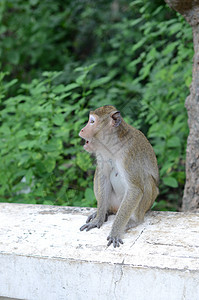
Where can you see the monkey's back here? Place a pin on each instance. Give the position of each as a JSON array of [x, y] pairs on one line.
[[142, 153]]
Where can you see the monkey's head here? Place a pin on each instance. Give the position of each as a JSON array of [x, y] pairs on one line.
[[101, 125]]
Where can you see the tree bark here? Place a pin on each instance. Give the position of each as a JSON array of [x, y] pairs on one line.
[[190, 10]]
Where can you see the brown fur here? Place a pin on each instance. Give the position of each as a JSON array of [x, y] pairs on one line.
[[126, 177]]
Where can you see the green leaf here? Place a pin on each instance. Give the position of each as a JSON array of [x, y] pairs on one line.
[[48, 202], [71, 86], [13, 57], [27, 144], [83, 161], [36, 156], [53, 145], [174, 142], [188, 81], [170, 47], [100, 81], [80, 79], [170, 181], [112, 59], [59, 89], [89, 195], [21, 133], [138, 45], [49, 164], [24, 158], [166, 168], [58, 120], [29, 176]]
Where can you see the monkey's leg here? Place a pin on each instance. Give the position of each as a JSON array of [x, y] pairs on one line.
[[150, 193], [155, 190], [102, 189], [129, 204]]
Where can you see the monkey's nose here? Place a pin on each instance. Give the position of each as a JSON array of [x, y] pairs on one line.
[[81, 131]]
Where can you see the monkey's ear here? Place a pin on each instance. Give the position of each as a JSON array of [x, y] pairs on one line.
[[116, 118]]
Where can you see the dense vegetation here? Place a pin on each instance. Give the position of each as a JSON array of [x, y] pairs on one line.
[[59, 59]]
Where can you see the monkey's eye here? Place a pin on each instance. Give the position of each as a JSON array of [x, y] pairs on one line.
[[92, 120]]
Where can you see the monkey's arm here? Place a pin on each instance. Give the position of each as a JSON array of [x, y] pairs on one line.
[[131, 200], [102, 189]]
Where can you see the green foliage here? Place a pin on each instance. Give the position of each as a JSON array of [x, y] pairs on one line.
[[29, 39], [40, 148], [67, 57], [164, 110]]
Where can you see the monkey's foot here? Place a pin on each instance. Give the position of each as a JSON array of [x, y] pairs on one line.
[[116, 241], [132, 223], [95, 223]]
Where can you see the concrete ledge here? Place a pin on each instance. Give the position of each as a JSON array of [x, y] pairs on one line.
[[43, 255]]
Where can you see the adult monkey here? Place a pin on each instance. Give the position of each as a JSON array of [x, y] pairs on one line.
[[126, 177]]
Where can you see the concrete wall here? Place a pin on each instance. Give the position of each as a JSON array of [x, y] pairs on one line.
[[43, 255]]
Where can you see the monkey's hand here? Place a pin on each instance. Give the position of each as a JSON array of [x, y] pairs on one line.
[[115, 240], [91, 217], [92, 222]]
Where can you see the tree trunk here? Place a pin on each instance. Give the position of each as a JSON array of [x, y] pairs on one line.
[[190, 10]]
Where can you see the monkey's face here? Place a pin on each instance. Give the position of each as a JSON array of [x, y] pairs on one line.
[[88, 133], [100, 129]]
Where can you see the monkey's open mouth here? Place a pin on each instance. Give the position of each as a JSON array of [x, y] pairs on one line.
[[87, 143]]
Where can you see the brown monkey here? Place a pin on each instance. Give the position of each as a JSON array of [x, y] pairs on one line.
[[126, 177]]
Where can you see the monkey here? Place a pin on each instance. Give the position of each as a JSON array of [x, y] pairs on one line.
[[126, 176]]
